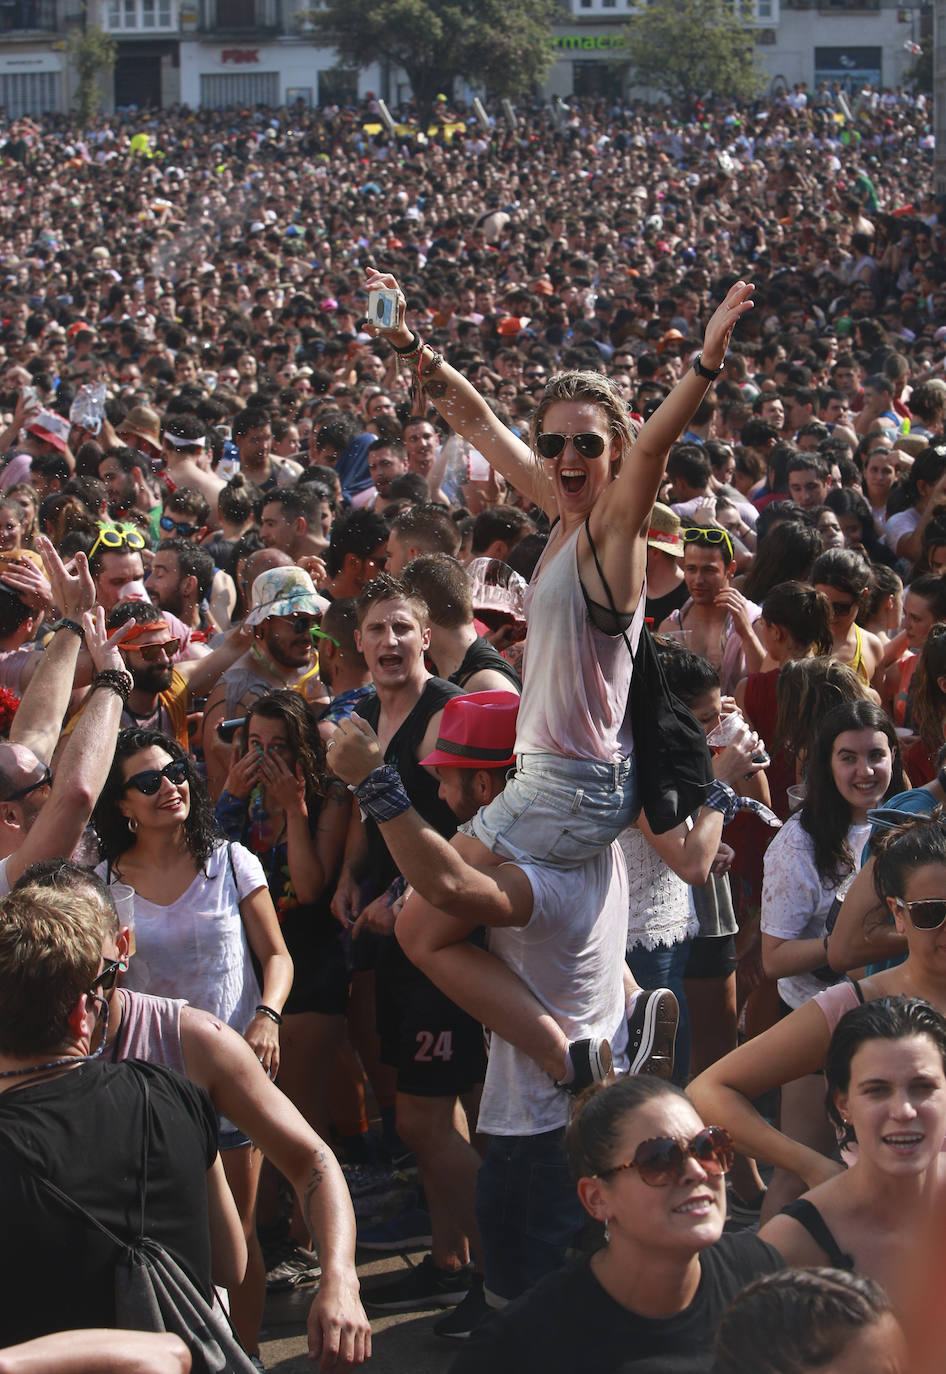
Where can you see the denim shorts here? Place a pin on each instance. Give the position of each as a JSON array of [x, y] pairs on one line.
[[557, 811]]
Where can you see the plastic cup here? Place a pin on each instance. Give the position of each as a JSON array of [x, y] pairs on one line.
[[124, 898], [796, 795]]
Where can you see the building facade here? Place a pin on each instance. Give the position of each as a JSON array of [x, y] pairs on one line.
[[216, 53]]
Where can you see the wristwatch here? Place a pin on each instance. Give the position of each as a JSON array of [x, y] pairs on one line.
[[708, 372]]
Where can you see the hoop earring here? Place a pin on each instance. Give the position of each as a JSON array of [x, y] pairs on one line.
[[133, 825]]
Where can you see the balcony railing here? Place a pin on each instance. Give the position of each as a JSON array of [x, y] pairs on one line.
[[239, 16], [18, 16]]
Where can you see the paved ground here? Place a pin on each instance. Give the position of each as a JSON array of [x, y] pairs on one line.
[[402, 1342]]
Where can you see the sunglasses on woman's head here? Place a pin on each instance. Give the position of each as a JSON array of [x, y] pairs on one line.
[[663, 1160], [148, 781], [928, 913], [587, 444]]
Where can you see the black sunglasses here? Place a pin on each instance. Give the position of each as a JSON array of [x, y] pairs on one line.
[[105, 981], [928, 913], [587, 445], [148, 781], [663, 1160], [44, 781]]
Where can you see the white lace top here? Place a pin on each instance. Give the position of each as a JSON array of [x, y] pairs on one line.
[[660, 909]]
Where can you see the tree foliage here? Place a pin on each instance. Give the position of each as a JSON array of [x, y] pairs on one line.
[[92, 51], [687, 48], [502, 43]]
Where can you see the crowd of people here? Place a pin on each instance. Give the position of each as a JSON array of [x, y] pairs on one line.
[[318, 632]]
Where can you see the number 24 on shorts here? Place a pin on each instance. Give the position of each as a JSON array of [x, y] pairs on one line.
[[430, 1046]]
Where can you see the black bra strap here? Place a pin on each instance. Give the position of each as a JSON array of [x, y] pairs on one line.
[[604, 582]]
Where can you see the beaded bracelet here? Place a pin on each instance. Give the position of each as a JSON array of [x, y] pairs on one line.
[[268, 1011], [73, 625], [115, 680]]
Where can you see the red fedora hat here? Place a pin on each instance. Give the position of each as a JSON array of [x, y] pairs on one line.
[[477, 731]]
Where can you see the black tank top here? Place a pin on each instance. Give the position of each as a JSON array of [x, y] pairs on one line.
[[420, 786], [807, 1215], [479, 656]]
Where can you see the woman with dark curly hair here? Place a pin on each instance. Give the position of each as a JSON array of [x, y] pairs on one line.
[[278, 801], [202, 912]]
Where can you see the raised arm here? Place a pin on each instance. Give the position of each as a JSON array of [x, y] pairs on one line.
[[630, 498], [39, 717], [464, 408], [84, 762]]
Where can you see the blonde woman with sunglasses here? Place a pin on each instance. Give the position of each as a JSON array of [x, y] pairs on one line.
[[574, 788], [909, 874]]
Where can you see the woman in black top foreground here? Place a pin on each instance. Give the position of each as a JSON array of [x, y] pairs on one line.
[[650, 1299]]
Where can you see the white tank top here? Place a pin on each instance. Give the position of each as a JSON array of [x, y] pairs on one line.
[[575, 677]]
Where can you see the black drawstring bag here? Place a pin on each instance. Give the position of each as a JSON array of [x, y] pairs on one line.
[[671, 757]]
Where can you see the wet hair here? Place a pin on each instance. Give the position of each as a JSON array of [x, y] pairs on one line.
[[65, 876], [931, 587], [305, 743], [687, 675], [598, 1117], [591, 389], [384, 587], [807, 1317], [897, 853], [445, 587], [883, 1018], [929, 699], [786, 553], [201, 833], [50, 951], [429, 529], [844, 569], [825, 816], [884, 582], [187, 501], [803, 612], [340, 620], [192, 561], [360, 533], [236, 500]]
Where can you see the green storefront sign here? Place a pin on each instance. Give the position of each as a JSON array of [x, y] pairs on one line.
[[577, 42]]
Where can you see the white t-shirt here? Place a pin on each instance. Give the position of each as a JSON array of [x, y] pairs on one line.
[[571, 956], [904, 522], [196, 948], [795, 900]]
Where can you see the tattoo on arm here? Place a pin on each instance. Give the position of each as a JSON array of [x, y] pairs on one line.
[[311, 1188]]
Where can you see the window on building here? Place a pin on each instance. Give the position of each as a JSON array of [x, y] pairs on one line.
[[242, 89], [29, 93], [139, 14]]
